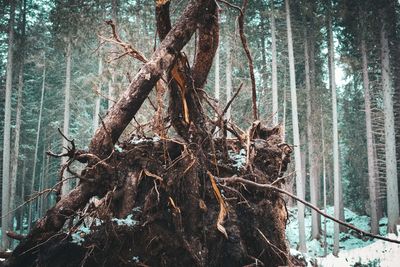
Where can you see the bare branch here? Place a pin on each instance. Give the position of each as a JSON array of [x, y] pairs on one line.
[[231, 100], [247, 51], [127, 47]]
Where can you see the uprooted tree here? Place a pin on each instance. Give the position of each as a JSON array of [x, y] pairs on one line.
[[182, 199]]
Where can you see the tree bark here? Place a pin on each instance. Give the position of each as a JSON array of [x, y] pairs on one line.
[[5, 221], [98, 99], [336, 168], [311, 143], [228, 74], [324, 181], [66, 185], [207, 45], [390, 141], [185, 107], [296, 135], [274, 69], [17, 131], [372, 180]]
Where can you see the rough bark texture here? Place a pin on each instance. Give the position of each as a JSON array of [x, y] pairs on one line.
[[207, 45]]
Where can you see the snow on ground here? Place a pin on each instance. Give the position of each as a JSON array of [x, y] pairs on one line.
[[354, 250], [379, 253]]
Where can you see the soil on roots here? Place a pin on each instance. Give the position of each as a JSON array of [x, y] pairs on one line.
[[162, 192]]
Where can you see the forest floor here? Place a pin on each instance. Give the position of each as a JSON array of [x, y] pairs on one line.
[[354, 249]]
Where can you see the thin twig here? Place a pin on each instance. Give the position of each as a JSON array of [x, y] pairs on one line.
[[277, 250], [129, 50], [231, 100]]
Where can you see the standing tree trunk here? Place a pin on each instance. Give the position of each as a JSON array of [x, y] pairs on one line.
[[22, 209], [296, 135], [111, 82], [5, 221], [217, 88], [228, 75], [390, 141], [311, 142], [15, 154], [66, 185], [372, 180], [275, 108], [336, 169], [35, 156], [324, 181], [98, 99]]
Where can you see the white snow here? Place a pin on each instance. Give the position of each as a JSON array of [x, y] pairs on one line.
[[379, 253], [354, 251]]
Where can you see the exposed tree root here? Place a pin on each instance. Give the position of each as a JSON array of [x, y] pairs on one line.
[[177, 218]]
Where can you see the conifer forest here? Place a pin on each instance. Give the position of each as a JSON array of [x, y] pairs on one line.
[[199, 133]]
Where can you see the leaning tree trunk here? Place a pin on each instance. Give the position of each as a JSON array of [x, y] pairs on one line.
[[160, 202]]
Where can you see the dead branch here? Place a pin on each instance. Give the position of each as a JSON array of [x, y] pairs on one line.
[[99, 93], [70, 150], [247, 51], [249, 58], [129, 50], [231, 100], [235, 179]]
